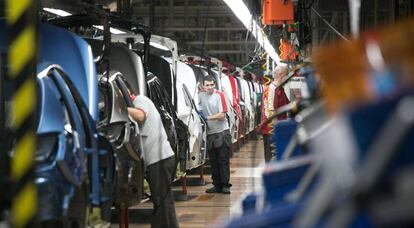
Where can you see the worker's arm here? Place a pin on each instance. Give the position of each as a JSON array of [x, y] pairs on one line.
[[221, 115], [137, 114], [218, 116]]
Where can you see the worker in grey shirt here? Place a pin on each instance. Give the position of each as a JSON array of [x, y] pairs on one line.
[[214, 108], [159, 161]]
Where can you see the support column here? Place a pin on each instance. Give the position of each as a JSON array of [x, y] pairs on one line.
[[375, 13], [19, 73], [345, 22], [151, 15], [127, 8], [393, 10], [171, 13], [186, 36], [119, 6], [3, 153], [315, 25], [124, 217]]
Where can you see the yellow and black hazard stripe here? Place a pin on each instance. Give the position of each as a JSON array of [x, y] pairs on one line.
[[21, 33]]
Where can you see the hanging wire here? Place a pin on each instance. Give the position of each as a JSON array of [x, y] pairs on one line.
[[256, 52], [329, 25], [309, 6]]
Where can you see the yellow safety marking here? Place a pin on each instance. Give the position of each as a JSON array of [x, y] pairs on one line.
[[24, 206], [23, 103], [22, 50], [15, 9], [23, 156], [267, 80]]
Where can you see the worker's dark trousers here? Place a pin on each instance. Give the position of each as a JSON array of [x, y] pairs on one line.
[[220, 165], [159, 177], [267, 141]]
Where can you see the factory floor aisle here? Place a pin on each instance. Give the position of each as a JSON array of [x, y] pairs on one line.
[[210, 210]]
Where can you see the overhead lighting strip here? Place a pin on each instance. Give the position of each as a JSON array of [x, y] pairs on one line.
[[63, 13], [112, 30], [242, 12], [58, 12]]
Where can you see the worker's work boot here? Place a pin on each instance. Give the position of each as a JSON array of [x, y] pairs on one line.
[[226, 190], [213, 190]]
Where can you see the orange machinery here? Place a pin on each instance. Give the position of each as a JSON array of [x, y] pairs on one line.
[[278, 12], [287, 51]]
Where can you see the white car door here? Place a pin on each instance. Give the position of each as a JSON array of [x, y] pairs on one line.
[[187, 105]]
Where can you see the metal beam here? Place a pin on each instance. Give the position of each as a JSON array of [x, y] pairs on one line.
[[221, 42], [179, 29], [227, 51], [189, 24], [191, 14], [329, 24], [183, 11], [176, 9]]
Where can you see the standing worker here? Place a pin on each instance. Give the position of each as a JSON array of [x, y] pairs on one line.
[[266, 129], [273, 97], [279, 98], [159, 161], [214, 108]]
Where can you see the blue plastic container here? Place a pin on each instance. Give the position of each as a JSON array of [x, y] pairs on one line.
[[282, 133]]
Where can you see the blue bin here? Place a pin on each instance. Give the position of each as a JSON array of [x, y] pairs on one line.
[[249, 203], [282, 133], [277, 184]]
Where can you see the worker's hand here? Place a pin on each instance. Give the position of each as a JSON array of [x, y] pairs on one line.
[[258, 128], [132, 97], [202, 115]]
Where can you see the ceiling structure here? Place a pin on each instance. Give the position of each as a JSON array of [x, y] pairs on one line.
[[206, 27], [373, 14], [209, 27]]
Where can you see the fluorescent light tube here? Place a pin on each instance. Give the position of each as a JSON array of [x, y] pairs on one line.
[[242, 12], [112, 30], [58, 12], [159, 46]]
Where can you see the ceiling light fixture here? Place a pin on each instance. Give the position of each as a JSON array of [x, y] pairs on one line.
[[112, 30], [63, 13], [159, 46], [58, 12], [242, 12]]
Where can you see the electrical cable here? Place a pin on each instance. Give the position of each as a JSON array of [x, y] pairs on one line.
[[256, 51], [253, 61], [329, 25], [247, 37], [309, 6]]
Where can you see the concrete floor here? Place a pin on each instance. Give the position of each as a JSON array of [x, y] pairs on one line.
[[213, 210]]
